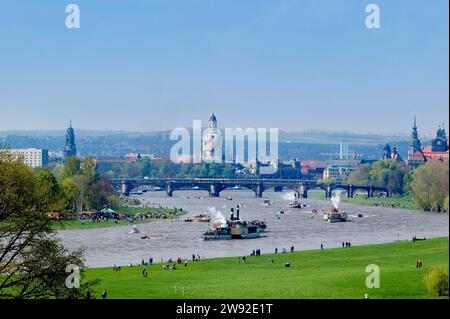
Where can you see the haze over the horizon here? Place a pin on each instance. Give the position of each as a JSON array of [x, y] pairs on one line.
[[292, 64]]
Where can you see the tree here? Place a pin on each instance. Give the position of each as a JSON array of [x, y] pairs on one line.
[[47, 188], [69, 193], [32, 262], [436, 281], [72, 167], [445, 208], [360, 176], [430, 185], [387, 173]]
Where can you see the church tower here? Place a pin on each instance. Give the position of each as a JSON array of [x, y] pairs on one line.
[[212, 142], [415, 145], [70, 149]]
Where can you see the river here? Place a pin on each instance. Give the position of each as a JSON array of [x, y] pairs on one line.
[[299, 228]]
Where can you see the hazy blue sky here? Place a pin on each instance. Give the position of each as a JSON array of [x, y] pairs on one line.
[[295, 65]]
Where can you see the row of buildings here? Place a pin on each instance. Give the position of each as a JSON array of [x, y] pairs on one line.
[[335, 169], [36, 157]]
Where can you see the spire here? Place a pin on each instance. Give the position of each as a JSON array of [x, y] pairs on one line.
[[415, 125]]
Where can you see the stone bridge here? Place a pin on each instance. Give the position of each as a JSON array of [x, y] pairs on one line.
[[215, 185]]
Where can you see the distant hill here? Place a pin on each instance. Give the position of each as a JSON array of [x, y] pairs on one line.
[[318, 145]]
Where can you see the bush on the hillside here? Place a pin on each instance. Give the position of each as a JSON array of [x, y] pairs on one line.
[[436, 281]]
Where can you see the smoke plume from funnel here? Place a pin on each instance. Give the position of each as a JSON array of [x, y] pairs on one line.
[[336, 199], [217, 217], [289, 196]]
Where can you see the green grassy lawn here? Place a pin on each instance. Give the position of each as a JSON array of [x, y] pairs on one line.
[[328, 273], [405, 202], [78, 224]]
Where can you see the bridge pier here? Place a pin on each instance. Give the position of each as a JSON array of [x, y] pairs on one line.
[[350, 191], [303, 191], [328, 191], [259, 190], [125, 188], [214, 190], [169, 189], [370, 192]]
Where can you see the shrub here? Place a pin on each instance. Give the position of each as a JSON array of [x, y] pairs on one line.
[[436, 281]]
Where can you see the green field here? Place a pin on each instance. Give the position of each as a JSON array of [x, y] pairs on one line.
[[404, 202], [328, 273], [78, 224]]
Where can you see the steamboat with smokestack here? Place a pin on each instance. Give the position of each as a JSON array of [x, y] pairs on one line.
[[235, 228], [335, 216]]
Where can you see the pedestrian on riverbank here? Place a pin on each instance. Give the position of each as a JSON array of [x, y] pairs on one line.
[[321, 246], [104, 294]]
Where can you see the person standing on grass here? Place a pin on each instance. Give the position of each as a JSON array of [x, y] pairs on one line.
[[321, 246], [104, 294]]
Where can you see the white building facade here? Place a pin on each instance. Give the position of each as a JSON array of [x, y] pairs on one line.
[[33, 157]]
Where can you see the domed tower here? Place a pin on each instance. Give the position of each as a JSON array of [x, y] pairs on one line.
[[70, 149], [212, 142], [440, 143]]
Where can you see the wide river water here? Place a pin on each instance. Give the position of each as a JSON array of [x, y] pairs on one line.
[[299, 228]]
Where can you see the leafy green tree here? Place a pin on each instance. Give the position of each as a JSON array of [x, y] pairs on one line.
[[387, 173], [430, 185], [32, 262], [47, 188], [69, 194], [72, 167], [446, 204], [88, 169], [360, 176]]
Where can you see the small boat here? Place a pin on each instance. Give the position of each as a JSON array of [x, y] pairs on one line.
[[145, 237], [229, 198], [296, 204], [134, 230], [360, 215], [198, 218], [266, 202], [282, 212]]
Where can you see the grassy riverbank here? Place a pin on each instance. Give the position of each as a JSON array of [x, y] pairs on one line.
[[405, 202], [328, 273], [78, 224]]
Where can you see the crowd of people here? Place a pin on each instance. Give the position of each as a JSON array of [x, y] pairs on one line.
[[98, 217], [393, 205]]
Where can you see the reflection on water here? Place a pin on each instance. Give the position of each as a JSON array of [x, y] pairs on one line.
[[300, 228]]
